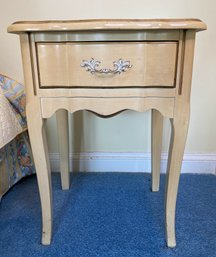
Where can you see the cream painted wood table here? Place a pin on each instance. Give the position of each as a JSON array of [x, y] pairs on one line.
[[107, 66]]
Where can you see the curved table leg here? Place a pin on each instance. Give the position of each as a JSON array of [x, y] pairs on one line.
[[37, 134], [156, 146], [179, 126], [63, 140]]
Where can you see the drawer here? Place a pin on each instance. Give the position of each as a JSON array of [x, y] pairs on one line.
[[145, 64]]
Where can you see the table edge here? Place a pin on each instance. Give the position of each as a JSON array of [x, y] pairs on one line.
[[106, 24]]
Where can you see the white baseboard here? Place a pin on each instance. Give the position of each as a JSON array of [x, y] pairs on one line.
[[204, 163]]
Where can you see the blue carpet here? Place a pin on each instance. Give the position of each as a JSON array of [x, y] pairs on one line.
[[110, 214]]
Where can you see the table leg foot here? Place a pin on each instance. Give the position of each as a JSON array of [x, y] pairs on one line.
[[46, 238], [171, 242]]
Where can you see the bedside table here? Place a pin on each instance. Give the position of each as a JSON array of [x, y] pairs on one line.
[[108, 66]]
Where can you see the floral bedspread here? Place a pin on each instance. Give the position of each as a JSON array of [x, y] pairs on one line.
[[15, 152]]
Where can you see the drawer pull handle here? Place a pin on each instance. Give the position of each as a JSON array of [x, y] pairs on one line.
[[93, 66]]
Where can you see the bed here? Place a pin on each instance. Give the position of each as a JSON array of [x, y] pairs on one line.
[[16, 159]]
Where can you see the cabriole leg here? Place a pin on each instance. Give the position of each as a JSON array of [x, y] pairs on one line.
[[37, 134], [179, 125]]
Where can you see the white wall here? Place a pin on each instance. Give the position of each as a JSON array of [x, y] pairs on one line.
[[130, 131]]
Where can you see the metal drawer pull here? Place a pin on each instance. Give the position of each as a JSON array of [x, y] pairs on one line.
[[92, 66]]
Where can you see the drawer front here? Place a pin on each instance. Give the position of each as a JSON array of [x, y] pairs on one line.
[[150, 64]]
